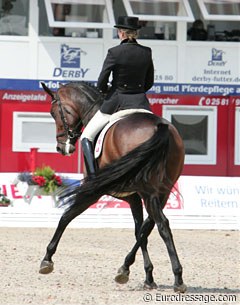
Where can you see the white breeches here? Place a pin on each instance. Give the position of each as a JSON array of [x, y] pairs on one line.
[[98, 121]]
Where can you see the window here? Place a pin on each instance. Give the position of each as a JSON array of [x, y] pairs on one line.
[[197, 126], [14, 17], [88, 18], [220, 10], [158, 18], [157, 10], [215, 20], [79, 18], [33, 129], [237, 137]]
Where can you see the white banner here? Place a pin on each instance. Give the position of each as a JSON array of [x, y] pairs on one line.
[[210, 195], [212, 65], [195, 203], [59, 61]]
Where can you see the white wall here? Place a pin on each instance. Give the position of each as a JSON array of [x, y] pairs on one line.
[[179, 61]]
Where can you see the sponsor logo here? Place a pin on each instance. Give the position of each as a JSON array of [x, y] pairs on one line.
[[217, 58], [217, 55], [70, 63], [70, 57]]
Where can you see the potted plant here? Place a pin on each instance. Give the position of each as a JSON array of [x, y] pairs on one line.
[[44, 180]]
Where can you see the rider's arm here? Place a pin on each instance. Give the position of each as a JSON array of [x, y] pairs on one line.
[[107, 68], [149, 80]]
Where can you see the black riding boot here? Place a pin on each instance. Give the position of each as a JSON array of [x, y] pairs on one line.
[[89, 159]]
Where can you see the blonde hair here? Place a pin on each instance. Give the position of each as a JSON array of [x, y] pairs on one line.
[[130, 34]]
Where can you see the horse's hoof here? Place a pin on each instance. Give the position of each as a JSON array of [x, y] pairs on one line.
[[123, 276], [148, 286], [46, 267], [180, 288]]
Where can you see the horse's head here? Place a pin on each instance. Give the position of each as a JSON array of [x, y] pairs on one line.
[[67, 119]]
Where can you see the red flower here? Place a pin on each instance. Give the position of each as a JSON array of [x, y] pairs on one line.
[[57, 179], [41, 181]]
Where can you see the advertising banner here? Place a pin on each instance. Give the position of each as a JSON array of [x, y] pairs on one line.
[[16, 192], [212, 65], [195, 203], [210, 195], [69, 61]]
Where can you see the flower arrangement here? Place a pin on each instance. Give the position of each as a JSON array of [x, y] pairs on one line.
[[44, 177], [4, 201]]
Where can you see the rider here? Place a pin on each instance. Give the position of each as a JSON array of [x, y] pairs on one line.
[[132, 71]]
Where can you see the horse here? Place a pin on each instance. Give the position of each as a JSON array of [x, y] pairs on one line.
[[141, 159]]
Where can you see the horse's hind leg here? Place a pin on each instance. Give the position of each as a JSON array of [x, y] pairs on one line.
[[166, 234], [72, 212], [143, 234], [122, 277]]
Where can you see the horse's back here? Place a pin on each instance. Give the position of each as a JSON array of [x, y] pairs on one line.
[[135, 129], [125, 135]]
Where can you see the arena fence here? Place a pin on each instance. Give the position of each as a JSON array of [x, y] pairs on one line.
[[196, 203]]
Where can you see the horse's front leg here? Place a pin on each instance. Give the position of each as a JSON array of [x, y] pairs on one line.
[[72, 212]]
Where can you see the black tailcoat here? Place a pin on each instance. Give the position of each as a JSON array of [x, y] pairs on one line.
[[132, 71]]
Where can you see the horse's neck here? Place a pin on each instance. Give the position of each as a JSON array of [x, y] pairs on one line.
[[92, 104], [89, 114]]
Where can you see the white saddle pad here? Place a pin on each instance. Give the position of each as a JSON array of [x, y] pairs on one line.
[[113, 119]]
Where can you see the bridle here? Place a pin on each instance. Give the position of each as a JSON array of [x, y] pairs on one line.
[[72, 134]]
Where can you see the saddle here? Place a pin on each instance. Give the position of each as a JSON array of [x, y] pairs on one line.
[[113, 119]]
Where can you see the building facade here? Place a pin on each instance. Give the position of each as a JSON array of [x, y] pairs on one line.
[[196, 54]]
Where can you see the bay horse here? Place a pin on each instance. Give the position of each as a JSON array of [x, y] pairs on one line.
[[142, 157]]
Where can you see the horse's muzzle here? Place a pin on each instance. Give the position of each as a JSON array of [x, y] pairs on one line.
[[65, 149]]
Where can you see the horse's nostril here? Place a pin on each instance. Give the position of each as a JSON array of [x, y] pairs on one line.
[[58, 149]]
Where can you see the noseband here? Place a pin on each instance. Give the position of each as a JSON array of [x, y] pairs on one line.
[[71, 134]]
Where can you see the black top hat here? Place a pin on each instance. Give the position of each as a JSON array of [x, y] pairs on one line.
[[125, 22]]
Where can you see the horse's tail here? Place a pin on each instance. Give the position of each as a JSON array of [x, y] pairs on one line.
[[130, 173]]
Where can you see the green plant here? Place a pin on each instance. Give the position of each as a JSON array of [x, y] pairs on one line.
[[44, 177], [4, 200]]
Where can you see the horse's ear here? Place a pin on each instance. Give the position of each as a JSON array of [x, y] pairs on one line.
[[46, 89], [61, 85]]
